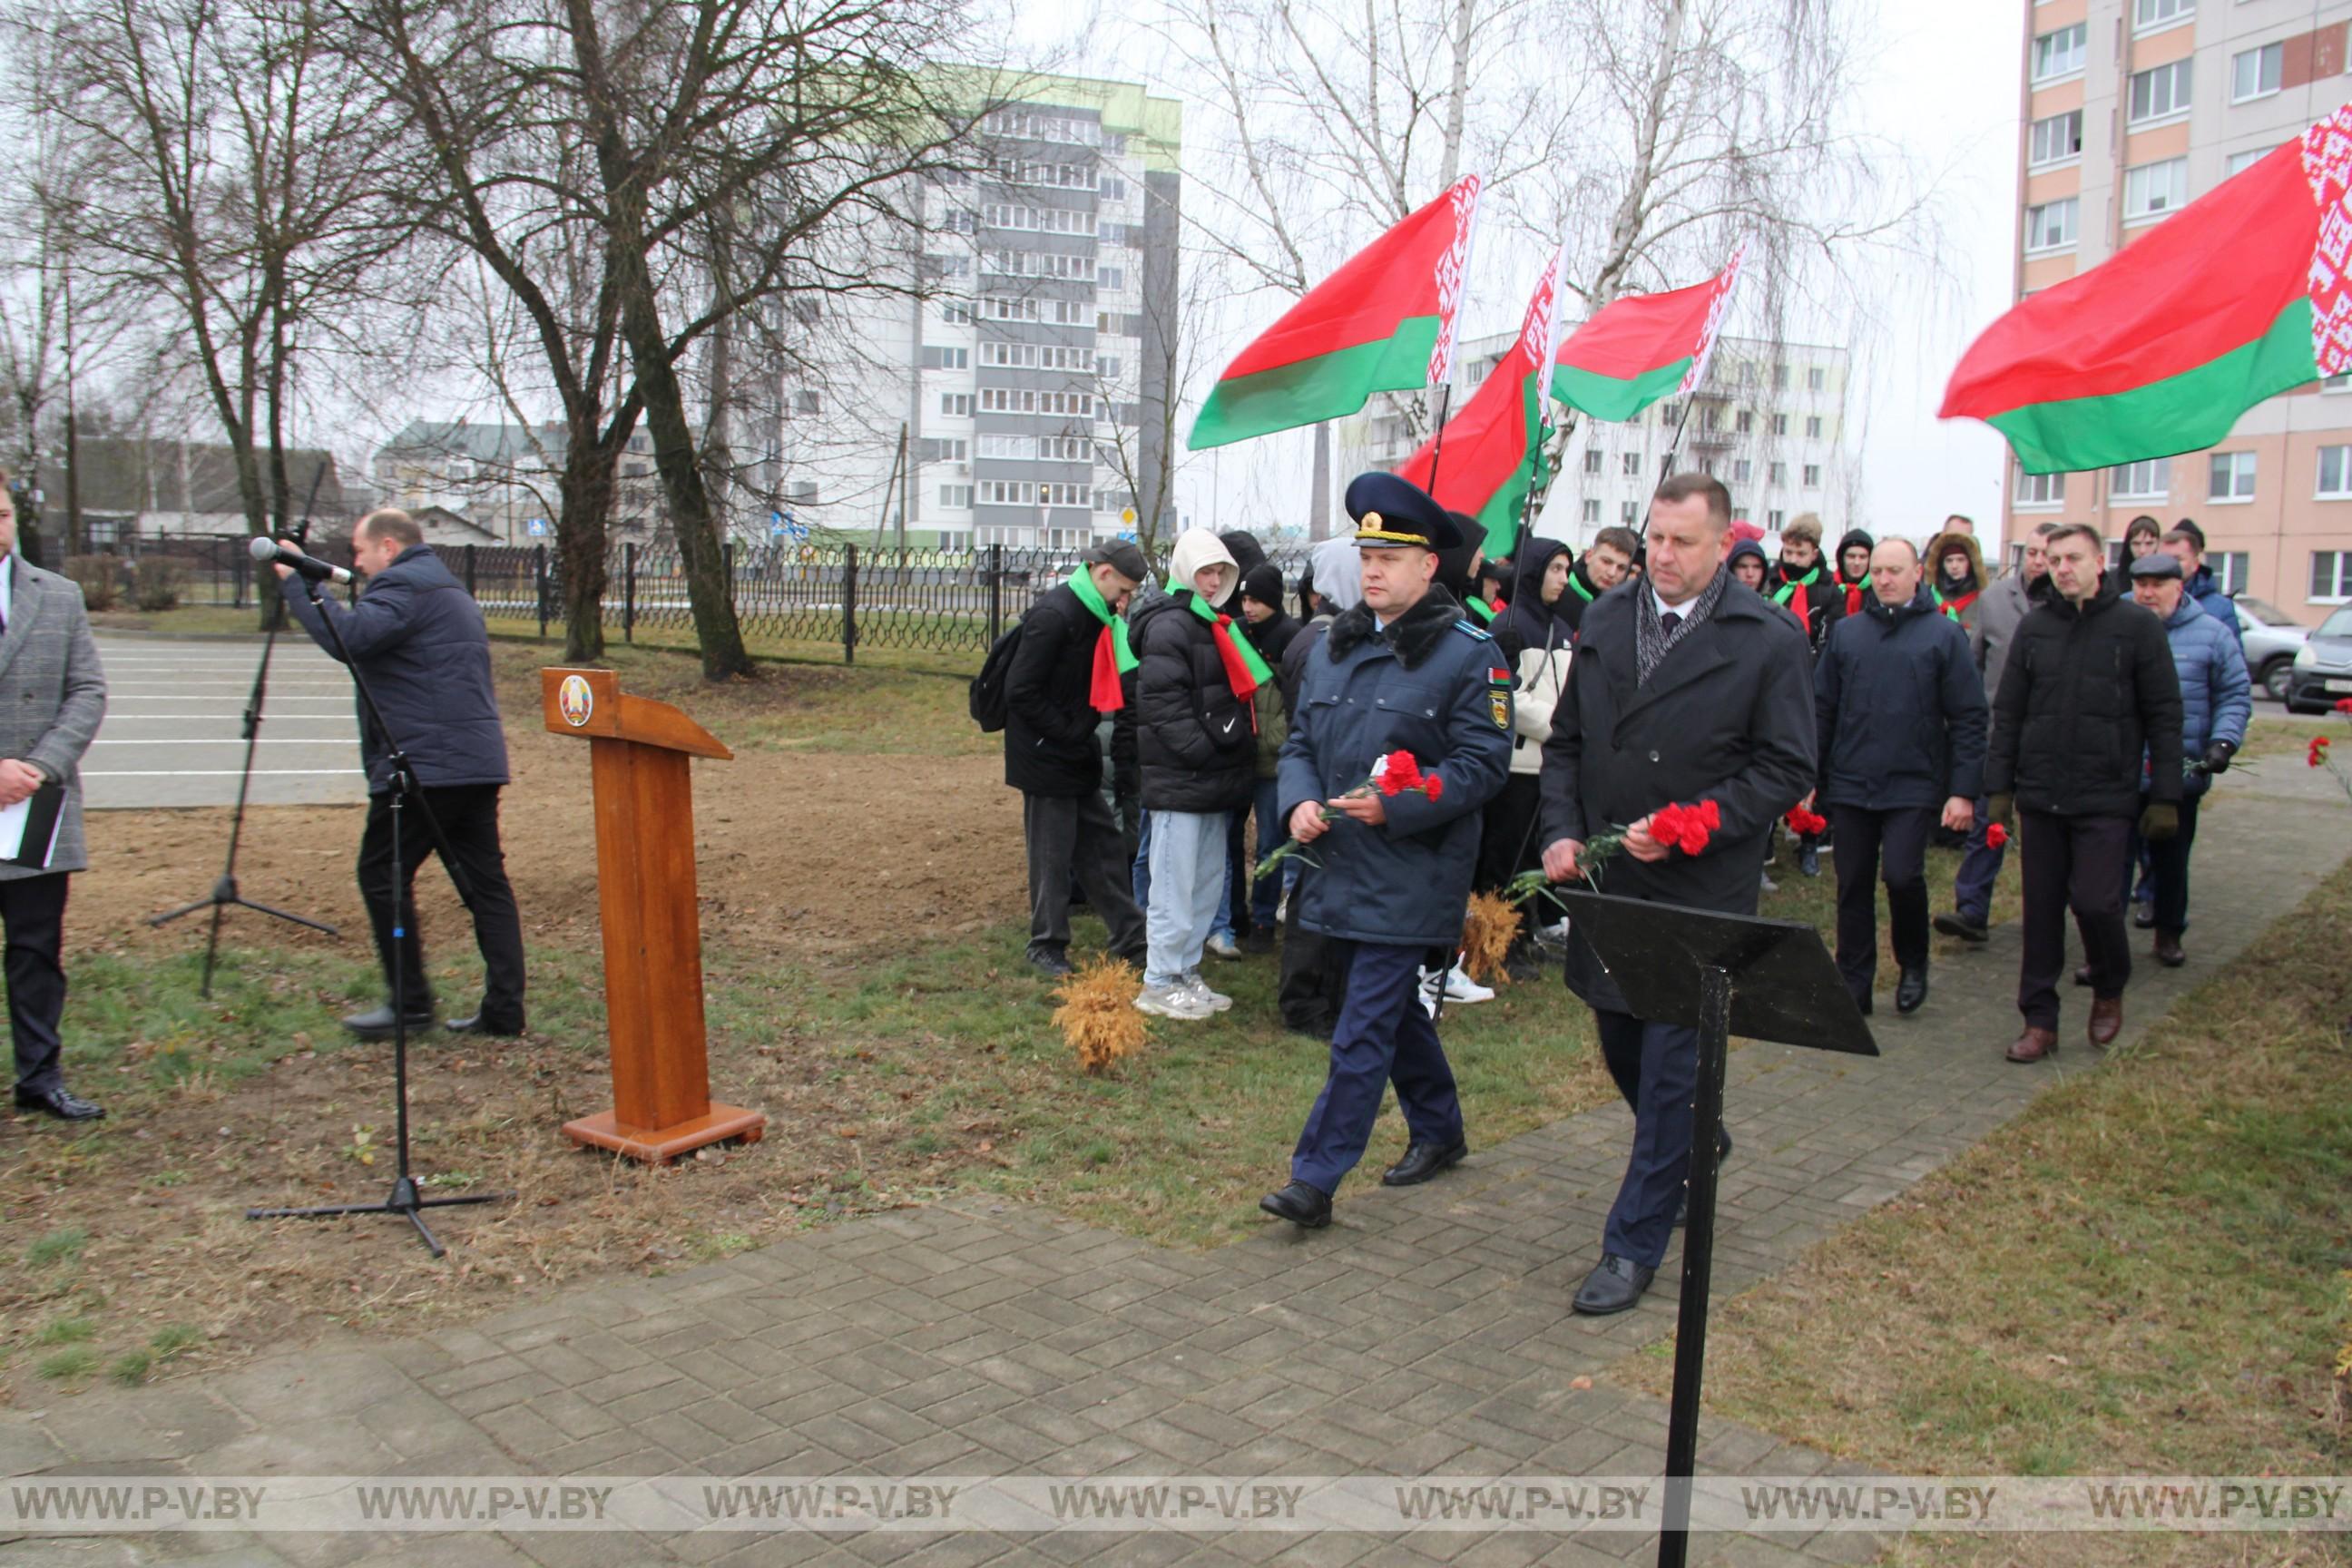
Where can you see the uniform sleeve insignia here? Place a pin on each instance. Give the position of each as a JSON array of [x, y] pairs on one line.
[[1499, 676], [1473, 631], [1499, 702]]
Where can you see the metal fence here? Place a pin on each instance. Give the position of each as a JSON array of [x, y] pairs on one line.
[[921, 600]]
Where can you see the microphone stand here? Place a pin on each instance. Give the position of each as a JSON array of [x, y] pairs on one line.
[[225, 895], [404, 1199]]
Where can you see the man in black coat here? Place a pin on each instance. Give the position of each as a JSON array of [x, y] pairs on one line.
[[1901, 718], [417, 637], [1403, 671], [2089, 683], [1686, 688], [1064, 674]]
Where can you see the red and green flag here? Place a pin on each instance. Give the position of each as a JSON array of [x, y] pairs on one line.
[[2240, 295], [1639, 349], [1383, 322], [1484, 462]]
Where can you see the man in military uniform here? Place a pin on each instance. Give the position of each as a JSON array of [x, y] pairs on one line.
[[1401, 671]]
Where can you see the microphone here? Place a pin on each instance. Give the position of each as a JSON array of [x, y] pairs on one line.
[[269, 553]]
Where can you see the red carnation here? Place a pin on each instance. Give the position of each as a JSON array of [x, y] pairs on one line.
[[1397, 772], [2318, 753], [1802, 821], [2344, 705], [1432, 785], [1686, 828], [1996, 836]]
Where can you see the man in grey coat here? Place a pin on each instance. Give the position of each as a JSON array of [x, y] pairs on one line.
[[1998, 610], [48, 665]]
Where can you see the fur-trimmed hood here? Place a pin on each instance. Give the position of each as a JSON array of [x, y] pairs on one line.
[[1416, 633]]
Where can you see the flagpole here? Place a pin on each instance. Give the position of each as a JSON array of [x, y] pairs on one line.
[[1437, 442]]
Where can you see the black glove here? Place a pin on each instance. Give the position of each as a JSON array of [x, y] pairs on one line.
[[2161, 820], [2218, 755], [1997, 808]]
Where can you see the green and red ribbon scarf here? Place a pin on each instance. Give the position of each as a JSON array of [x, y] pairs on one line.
[[1482, 611], [1794, 587], [1244, 672], [1853, 591], [1952, 607], [1113, 658]]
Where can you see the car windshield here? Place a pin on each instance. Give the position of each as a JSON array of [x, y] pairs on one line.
[[2338, 624], [2263, 610]]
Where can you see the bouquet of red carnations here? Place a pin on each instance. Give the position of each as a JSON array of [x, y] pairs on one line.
[[1685, 827], [1399, 773]]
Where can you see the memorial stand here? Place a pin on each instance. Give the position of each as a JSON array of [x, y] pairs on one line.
[[640, 765], [1723, 975]]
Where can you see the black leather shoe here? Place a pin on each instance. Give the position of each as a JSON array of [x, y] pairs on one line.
[[1809, 861], [376, 1023], [1049, 963], [1911, 990], [478, 1025], [1968, 928], [1422, 1161], [59, 1103], [1862, 1000], [1307, 1207], [1615, 1285]]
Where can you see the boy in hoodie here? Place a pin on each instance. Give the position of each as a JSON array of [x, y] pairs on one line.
[[1608, 561], [1853, 568], [1955, 577], [1748, 566], [1196, 738]]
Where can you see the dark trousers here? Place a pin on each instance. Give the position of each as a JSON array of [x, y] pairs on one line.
[[2168, 861], [1655, 1067], [1309, 987], [1506, 845], [1875, 846], [1980, 869], [469, 816], [1383, 1037], [2072, 862], [34, 910], [1077, 835]]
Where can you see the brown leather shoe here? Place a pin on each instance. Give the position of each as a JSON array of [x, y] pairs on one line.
[[2106, 1020], [2168, 950], [2033, 1045]]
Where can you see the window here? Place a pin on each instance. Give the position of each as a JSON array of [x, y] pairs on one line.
[[2062, 52], [1812, 476], [2156, 190], [1114, 277], [2148, 479], [2057, 138], [1107, 366], [1633, 465], [2255, 73], [1775, 518], [955, 496], [1780, 425], [1591, 511], [2230, 569], [2160, 91], [1066, 495], [1813, 427], [1817, 380], [1779, 378], [1744, 421], [2052, 225], [1066, 449], [936, 358], [1007, 493], [1630, 513], [1742, 470], [633, 471], [2335, 472], [1670, 413], [1593, 460], [953, 541], [955, 313], [955, 405], [2232, 476], [1775, 474], [1018, 449], [2041, 489], [2150, 15], [1002, 308], [2336, 383], [934, 450], [806, 401], [2331, 575], [1114, 190], [804, 490]]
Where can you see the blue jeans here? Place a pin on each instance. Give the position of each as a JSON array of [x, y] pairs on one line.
[[1979, 869], [1141, 877], [1188, 865], [1273, 833], [1382, 1038]]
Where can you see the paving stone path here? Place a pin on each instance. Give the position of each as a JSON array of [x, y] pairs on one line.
[[1426, 1332]]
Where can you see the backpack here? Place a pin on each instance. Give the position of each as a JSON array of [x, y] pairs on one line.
[[986, 698]]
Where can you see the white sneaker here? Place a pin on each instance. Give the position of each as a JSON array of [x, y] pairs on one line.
[[1223, 945], [1172, 1002], [1460, 987], [1216, 1001]]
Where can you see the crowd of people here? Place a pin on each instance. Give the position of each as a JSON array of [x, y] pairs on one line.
[[1197, 762]]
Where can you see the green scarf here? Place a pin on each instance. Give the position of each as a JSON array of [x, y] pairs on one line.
[[1113, 658]]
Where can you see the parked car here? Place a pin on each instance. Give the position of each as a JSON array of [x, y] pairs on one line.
[[2271, 642], [2323, 670]]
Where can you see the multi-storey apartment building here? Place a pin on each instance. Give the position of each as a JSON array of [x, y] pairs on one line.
[[1032, 381], [1768, 421], [2131, 109]]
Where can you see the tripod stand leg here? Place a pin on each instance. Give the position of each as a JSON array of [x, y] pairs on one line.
[[281, 914]]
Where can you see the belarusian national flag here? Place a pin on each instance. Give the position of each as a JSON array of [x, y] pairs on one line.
[[1644, 346], [1485, 459], [2242, 294], [1383, 322]]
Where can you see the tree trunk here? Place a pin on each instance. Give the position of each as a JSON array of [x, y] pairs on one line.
[[584, 492]]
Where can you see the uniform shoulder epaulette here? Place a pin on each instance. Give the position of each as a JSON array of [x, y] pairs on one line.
[[1477, 634]]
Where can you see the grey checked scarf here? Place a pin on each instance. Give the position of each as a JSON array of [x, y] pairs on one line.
[[1651, 638]]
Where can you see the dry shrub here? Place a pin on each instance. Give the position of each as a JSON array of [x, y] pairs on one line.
[[1487, 933], [100, 577], [1098, 1013]]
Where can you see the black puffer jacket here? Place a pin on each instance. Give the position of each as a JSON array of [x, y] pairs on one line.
[[2083, 691], [1194, 738], [1050, 742]]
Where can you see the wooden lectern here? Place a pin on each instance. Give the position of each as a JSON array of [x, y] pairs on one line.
[[652, 934]]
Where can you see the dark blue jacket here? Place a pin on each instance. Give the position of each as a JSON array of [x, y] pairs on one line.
[[1899, 712], [2216, 697], [1432, 685], [2216, 603], [418, 638]]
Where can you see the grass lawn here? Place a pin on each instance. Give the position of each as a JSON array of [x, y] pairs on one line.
[[2145, 1273]]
